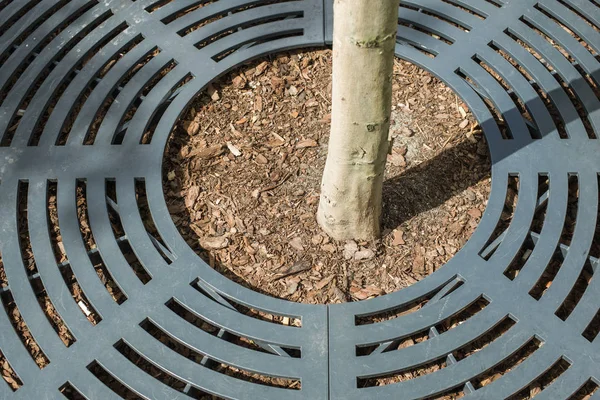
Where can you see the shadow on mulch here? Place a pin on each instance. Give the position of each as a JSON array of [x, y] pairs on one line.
[[429, 185], [417, 190]]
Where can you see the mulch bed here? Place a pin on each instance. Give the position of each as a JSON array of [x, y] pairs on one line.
[[242, 173]]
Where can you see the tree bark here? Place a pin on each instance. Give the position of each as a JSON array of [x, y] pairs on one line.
[[364, 38]]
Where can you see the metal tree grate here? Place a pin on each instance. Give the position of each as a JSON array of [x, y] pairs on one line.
[[89, 91]]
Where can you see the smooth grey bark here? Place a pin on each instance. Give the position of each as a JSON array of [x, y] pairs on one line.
[[364, 38]]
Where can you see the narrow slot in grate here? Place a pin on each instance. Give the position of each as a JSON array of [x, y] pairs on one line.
[[202, 359], [494, 112], [157, 5], [61, 140], [567, 29], [8, 374], [3, 279], [548, 276], [586, 391], [518, 262], [287, 320], [268, 38], [221, 35], [593, 328], [440, 363], [201, 323], [6, 25], [4, 3], [422, 49], [119, 233], [149, 368], [541, 209], [555, 263], [550, 105], [501, 328], [389, 379], [148, 221], [463, 316], [520, 259], [545, 380], [31, 269], [520, 105], [508, 211], [495, 3], [33, 88], [122, 130], [18, 40], [189, 9], [22, 330], [581, 17], [61, 256], [90, 244], [399, 311], [447, 395], [155, 119], [511, 60], [510, 363], [94, 127], [442, 17], [576, 293], [214, 17], [112, 382], [423, 29], [572, 210], [59, 91], [423, 335], [577, 104], [397, 344], [70, 392], [466, 8]]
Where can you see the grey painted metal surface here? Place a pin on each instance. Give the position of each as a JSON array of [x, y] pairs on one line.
[[528, 69]]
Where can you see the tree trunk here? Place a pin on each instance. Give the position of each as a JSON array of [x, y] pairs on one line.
[[364, 38]]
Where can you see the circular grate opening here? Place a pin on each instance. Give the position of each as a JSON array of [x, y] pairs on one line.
[[242, 174]]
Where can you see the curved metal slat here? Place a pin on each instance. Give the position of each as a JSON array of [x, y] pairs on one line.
[[49, 272], [220, 350], [433, 349], [573, 124], [585, 225], [79, 260], [451, 376], [204, 378], [109, 250], [103, 90], [569, 18], [76, 87], [520, 377], [19, 26], [500, 99], [21, 289], [153, 101], [63, 69], [43, 59], [445, 10], [127, 96]]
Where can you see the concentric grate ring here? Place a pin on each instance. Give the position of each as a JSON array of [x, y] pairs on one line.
[[89, 92]]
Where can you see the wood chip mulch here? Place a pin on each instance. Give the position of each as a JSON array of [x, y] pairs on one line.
[[242, 173]]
